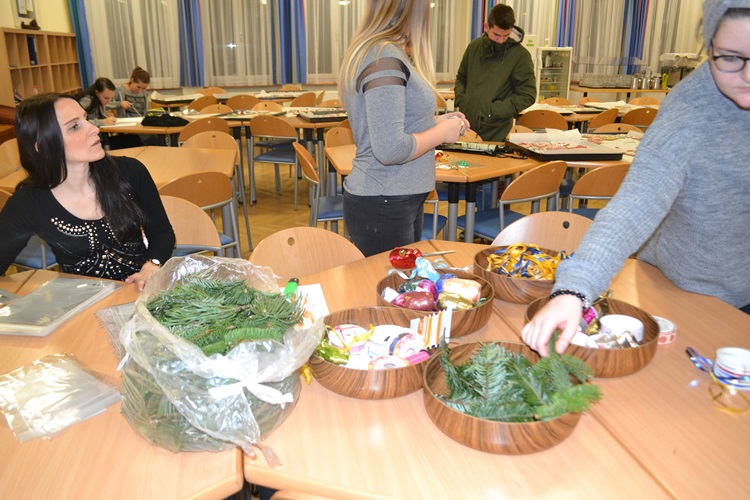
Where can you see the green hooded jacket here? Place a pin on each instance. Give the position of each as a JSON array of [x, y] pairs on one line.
[[494, 83]]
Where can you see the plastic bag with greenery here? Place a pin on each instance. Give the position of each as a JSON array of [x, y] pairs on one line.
[[179, 398]]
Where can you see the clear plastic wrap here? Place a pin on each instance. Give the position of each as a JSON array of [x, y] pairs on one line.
[[50, 394], [179, 399]]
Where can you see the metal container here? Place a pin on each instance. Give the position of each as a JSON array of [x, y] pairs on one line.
[[637, 82]]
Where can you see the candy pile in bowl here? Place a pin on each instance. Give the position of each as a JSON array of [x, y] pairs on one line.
[[427, 289]]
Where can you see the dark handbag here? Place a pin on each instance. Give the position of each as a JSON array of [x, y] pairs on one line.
[[157, 118]]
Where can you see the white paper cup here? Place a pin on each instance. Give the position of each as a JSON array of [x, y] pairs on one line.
[[617, 324]]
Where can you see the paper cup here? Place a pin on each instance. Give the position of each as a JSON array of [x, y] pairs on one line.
[[617, 324]]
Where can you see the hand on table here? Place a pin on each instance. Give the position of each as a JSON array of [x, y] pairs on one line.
[[126, 105], [110, 120], [563, 312], [141, 277]]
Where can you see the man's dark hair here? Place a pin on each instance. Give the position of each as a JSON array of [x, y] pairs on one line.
[[501, 16]]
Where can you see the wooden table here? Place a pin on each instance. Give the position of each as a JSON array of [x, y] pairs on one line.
[[348, 448], [102, 457], [663, 415], [612, 90]]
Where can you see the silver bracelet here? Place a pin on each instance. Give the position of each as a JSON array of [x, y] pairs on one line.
[[565, 291]]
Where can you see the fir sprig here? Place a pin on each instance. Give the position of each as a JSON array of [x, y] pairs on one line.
[[217, 315], [496, 384]]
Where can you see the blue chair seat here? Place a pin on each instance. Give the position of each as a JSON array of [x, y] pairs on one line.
[[589, 213], [428, 221], [277, 155], [32, 257], [331, 208], [487, 222], [274, 143]]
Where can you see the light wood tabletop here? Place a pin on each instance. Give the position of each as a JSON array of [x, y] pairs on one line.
[[664, 414], [102, 457], [350, 448]]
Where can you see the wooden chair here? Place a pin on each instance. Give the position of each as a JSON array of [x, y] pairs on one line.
[[603, 118], [242, 101], [219, 140], [194, 230], [540, 183], [210, 191], [557, 101], [330, 103], [319, 98], [550, 230], [322, 208], [614, 128], [268, 129], [441, 104], [210, 123], [216, 108], [345, 124], [212, 91], [270, 106], [583, 100], [520, 129], [599, 184], [37, 254], [645, 101], [339, 136], [296, 495], [201, 102], [303, 100], [469, 136], [10, 158], [540, 119], [290, 87], [641, 117], [300, 251]]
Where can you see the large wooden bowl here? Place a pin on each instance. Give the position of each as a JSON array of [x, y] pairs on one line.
[[614, 362], [369, 384], [508, 288], [506, 438], [463, 322]]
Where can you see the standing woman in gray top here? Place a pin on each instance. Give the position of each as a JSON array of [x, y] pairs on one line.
[[386, 82], [684, 205]]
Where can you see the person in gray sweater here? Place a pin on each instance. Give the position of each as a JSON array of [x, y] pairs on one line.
[[132, 96], [683, 206], [386, 81], [97, 101]]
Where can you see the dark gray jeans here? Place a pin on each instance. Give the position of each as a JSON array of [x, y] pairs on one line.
[[380, 223]]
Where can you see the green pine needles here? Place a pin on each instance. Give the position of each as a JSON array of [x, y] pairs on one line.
[[216, 315], [496, 384]]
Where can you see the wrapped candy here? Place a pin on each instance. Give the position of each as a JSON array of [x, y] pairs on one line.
[[449, 300], [420, 301], [419, 285], [524, 261], [404, 258], [468, 289]]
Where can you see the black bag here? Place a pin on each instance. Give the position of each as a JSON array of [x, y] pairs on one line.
[[158, 118]]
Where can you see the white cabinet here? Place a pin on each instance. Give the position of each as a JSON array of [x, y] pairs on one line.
[[552, 72]]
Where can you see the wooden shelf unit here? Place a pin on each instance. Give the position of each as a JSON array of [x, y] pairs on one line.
[[55, 68]]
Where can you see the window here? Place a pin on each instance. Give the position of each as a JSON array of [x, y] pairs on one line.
[[129, 33], [237, 42]]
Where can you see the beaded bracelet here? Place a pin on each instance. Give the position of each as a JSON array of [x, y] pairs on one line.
[[565, 291]]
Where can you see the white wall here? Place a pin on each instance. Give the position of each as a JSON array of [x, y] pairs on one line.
[[52, 15]]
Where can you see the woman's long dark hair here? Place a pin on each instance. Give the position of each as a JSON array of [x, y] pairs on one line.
[[42, 151], [100, 85]]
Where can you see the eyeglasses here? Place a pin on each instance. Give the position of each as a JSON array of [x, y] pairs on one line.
[[723, 393], [730, 64]]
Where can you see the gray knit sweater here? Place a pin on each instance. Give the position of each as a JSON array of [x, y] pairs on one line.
[[139, 101], [684, 205], [383, 118]]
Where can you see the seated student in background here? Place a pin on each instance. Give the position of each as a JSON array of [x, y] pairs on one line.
[[132, 97], [100, 110], [95, 211], [683, 205], [97, 102]]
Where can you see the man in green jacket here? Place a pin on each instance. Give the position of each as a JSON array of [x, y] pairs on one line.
[[495, 80]]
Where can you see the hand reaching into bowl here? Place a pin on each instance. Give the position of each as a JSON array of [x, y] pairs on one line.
[[563, 313]]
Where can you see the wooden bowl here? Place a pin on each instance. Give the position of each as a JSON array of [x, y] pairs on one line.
[[614, 362], [369, 384], [510, 289], [463, 322], [505, 438]]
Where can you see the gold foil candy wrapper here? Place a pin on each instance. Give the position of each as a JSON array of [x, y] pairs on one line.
[[449, 300], [469, 289], [332, 354]]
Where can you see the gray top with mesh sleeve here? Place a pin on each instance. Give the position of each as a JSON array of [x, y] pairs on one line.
[[389, 104]]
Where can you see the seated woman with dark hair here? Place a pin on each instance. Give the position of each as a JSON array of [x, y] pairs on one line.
[[101, 215], [97, 101]]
